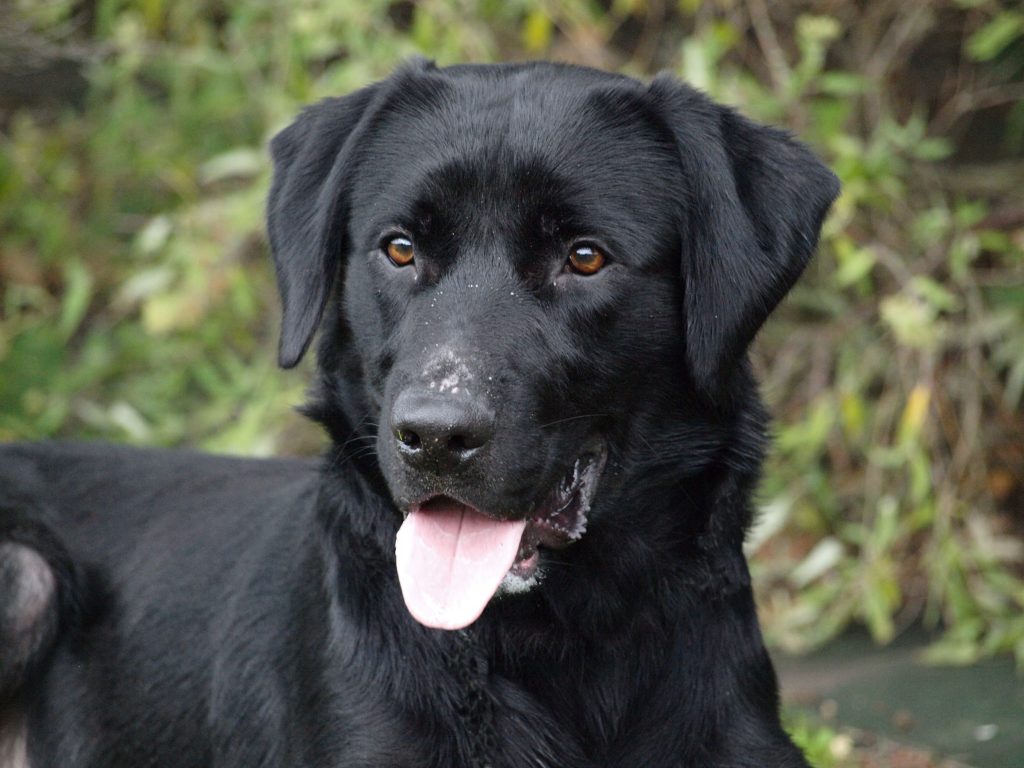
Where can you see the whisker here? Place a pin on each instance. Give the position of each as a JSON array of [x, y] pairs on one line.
[[645, 441], [354, 434], [343, 459], [571, 418]]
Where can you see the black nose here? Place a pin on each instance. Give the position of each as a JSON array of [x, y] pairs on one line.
[[439, 431]]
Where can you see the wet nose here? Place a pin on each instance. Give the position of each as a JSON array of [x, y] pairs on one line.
[[440, 431]]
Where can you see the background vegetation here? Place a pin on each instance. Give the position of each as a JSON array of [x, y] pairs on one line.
[[136, 302]]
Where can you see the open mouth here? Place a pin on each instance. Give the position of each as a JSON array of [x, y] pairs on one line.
[[452, 558], [561, 518]]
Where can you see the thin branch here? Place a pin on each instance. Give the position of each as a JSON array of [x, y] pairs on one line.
[[778, 67], [966, 102]]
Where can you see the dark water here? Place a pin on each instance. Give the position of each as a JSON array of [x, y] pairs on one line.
[[974, 714]]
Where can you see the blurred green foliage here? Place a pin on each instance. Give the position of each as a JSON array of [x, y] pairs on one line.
[[137, 303], [822, 745]]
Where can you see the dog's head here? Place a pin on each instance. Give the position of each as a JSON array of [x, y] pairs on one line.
[[539, 282]]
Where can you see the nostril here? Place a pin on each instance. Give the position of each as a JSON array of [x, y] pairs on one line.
[[459, 444], [408, 438]]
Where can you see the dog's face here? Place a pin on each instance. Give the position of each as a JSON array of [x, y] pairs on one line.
[[538, 272]]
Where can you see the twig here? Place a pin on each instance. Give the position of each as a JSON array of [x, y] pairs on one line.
[[779, 69], [971, 101]]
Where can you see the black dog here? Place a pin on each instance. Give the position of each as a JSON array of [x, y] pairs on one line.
[[535, 286]]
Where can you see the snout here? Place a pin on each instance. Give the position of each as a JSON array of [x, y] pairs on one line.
[[440, 432]]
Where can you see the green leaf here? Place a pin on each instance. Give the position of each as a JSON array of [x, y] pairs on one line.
[[152, 237], [537, 31], [877, 613], [993, 38], [886, 524], [932, 149], [817, 28], [936, 294], [855, 263], [77, 293], [995, 240], [854, 415], [842, 83], [911, 320]]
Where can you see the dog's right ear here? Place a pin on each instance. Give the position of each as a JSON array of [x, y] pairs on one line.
[[306, 211]]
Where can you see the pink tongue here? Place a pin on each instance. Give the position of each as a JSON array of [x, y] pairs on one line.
[[451, 560]]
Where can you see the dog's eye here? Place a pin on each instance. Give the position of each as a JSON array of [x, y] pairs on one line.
[[586, 259], [400, 251]]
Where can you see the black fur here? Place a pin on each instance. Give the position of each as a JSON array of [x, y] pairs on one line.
[[227, 612]]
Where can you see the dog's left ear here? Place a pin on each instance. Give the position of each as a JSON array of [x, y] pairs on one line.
[[751, 215]]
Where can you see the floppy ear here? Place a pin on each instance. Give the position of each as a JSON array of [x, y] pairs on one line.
[[305, 212], [751, 221]]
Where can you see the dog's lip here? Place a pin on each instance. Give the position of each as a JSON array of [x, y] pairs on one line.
[[561, 518]]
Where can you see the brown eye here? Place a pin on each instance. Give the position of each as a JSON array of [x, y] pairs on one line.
[[586, 260], [400, 251]]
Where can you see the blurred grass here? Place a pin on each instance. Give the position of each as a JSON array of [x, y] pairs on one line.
[[137, 303]]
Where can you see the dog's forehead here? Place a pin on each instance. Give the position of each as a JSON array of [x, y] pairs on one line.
[[531, 114], [555, 141]]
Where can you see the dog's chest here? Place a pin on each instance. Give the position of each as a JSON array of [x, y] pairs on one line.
[[501, 720], [464, 714], [495, 722]]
